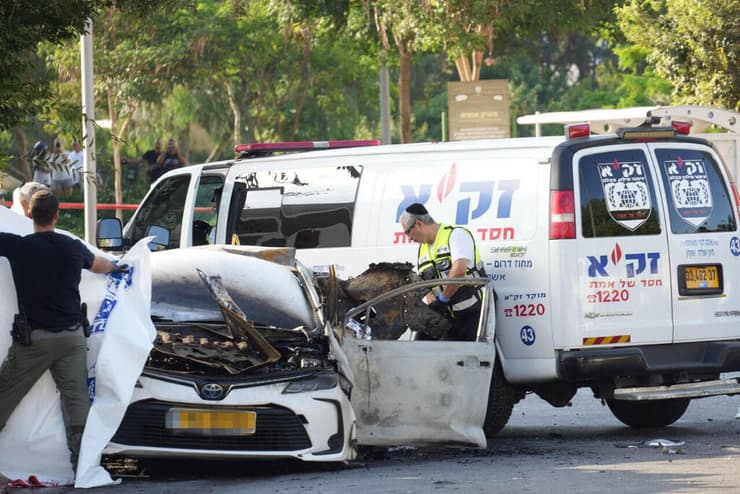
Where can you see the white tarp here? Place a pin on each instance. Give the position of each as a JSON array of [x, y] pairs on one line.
[[33, 441]]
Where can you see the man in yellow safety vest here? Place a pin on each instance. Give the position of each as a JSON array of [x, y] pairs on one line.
[[447, 251]]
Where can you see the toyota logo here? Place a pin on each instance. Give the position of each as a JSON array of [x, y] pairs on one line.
[[212, 391]]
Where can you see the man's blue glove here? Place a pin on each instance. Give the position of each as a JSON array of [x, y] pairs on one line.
[[443, 299]]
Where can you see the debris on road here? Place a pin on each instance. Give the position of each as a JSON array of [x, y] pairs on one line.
[[667, 446]]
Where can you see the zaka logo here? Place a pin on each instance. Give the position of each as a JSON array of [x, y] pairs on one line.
[[634, 263], [626, 192], [475, 198], [110, 300], [690, 189]]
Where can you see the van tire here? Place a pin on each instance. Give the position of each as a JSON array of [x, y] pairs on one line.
[[653, 413], [501, 399]]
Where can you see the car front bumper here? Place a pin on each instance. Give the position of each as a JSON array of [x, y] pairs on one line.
[[311, 426]]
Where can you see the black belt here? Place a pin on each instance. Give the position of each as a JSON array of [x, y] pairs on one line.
[[72, 327]]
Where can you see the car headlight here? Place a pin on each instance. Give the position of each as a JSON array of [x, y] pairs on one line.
[[314, 383]]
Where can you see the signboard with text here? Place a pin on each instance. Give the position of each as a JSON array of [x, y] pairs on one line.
[[479, 109]]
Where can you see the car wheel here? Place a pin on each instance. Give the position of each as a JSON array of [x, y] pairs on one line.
[[501, 399], [653, 413]]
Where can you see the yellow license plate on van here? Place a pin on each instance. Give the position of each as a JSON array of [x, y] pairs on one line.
[[211, 422], [700, 279]]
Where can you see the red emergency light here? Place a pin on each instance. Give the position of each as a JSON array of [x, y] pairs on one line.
[[577, 130], [681, 127], [276, 147]]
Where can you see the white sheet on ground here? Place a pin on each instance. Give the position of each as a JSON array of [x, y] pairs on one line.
[[33, 441]]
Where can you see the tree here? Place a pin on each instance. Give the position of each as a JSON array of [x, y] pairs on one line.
[[409, 27], [136, 59], [695, 45], [23, 25]]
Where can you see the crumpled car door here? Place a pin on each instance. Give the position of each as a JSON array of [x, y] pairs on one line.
[[418, 392]]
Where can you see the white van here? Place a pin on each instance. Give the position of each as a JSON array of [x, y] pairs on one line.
[[616, 259]]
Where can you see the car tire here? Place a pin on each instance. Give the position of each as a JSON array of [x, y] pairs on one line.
[[501, 399], [653, 413]]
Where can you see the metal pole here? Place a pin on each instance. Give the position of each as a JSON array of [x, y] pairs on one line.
[[537, 127], [444, 126], [88, 138], [385, 106]]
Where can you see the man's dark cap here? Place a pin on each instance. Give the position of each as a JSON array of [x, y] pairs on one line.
[[417, 209]]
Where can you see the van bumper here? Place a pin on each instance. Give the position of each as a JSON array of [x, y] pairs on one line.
[[709, 357]]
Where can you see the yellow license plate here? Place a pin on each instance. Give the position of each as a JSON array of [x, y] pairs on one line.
[[700, 277], [211, 422]]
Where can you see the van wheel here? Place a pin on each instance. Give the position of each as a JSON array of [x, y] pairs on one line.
[[653, 413], [501, 399]]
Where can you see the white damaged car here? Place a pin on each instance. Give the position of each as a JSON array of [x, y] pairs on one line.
[[243, 364], [247, 365]]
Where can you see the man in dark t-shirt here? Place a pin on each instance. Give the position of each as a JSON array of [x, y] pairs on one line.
[[151, 158], [46, 270]]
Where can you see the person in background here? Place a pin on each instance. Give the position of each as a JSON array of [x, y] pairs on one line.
[[40, 160], [151, 158], [171, 158], [75, 158], [447, 252], [61, 170], [25, 192], [46, 268]]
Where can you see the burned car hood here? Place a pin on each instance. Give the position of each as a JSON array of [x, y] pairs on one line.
[[267, 292], [223, 311]]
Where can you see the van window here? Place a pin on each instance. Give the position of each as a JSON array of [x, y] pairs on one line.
[[163, 208], [617, 195], [302, 208], [697, 196], [207, 198]]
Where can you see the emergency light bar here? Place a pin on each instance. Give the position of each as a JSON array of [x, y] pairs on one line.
[[264, 149], [654, 132]]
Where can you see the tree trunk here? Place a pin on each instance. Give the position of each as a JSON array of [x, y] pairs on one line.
[[305, 83], [477, 62], [236, 112], [20, 139], [117, 185], [183, 139], [463, 68], [404, 97], [465, 71]]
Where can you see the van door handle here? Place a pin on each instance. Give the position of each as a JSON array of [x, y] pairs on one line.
[[481, 363]]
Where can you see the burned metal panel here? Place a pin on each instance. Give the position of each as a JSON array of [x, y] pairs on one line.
[[390, 318], [420, 392], [268, 293]]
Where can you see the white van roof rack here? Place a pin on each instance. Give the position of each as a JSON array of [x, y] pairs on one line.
[[608, 121]]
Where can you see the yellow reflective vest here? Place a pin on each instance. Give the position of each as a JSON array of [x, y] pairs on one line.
[[435, 261]]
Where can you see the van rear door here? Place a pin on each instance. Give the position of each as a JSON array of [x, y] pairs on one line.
[[624, 283], [703, 241]]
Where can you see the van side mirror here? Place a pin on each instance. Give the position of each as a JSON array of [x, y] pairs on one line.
[[109, 235], [161, 238]]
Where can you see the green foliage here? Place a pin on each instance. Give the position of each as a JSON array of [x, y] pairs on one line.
[[207, 71], [23, 25], [695, 45]]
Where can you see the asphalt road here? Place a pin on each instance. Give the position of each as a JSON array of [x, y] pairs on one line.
[[581, 449]]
